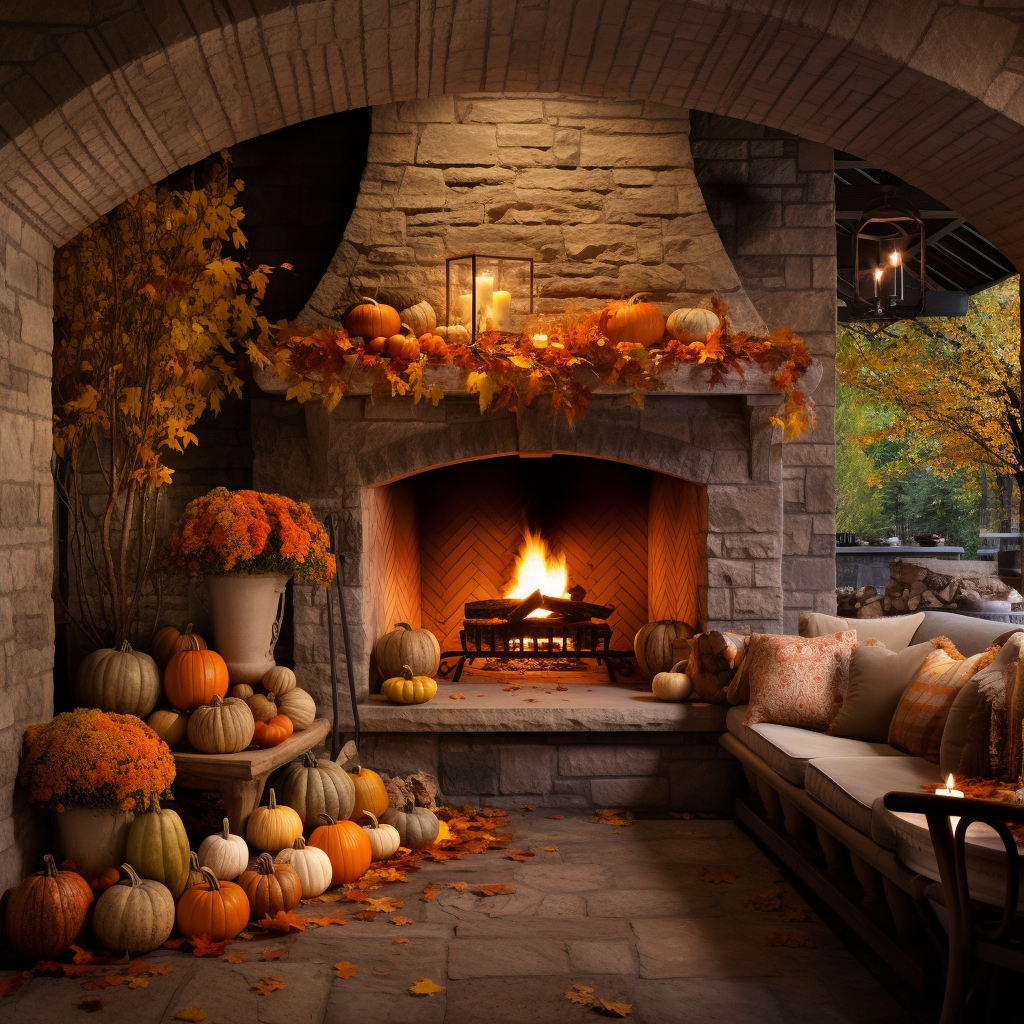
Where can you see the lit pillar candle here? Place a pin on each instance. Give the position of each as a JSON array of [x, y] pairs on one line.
[[950, 791], [897, 273], [466, 309], [502, 310], [484, 296], [878, 279]]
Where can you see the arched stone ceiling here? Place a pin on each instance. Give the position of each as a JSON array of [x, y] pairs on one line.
[[101, 98]]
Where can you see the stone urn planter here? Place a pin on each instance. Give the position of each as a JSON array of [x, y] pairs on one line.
[[246, 613], [95, 839]]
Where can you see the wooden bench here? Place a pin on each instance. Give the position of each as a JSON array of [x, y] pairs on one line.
[[240, 777]]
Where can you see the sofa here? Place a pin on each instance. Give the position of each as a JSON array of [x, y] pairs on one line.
[[816, 801]]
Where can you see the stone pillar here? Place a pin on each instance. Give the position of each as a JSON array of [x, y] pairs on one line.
[[26, 517]]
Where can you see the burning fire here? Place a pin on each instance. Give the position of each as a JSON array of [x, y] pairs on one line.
[[537, 568]]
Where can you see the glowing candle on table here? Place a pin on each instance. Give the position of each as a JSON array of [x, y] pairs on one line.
[[897, 272], [540, 341], [950, 791], [466, 309], [878, 279], [502, 308], [484, 296]]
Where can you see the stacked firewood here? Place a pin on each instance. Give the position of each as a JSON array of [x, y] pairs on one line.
[[865, 603], [939, 583]]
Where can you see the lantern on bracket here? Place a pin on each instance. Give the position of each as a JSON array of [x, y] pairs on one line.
[[488, 294], [889, 260]]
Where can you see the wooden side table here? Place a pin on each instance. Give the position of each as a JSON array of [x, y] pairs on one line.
[[240, 777]]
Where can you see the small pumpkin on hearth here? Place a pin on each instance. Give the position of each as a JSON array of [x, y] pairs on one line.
[[633, 320], [372, 319], [376, 345], [243, 691], [420, 317], [273, 731], [262, 705], [371, 794], [416, 826], [384, 839], [124, 681], [158, 848], [47, 911], [403, 345], [433, 346], [273, 827], [456, 334], [311, 864], [672, 685], [195, 871], [299, 706], [270, 887], [167, 642], [170, 724], [653, 645], [195, 676], [408, 688], [224, 726], [314, 787], [347, 846], [107, 878], [135, 916], [691, 325], [278, 680], [226, 855], [217, 909], [417, 648]]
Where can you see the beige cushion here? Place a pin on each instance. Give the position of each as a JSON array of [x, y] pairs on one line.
[[878, 678], [969, 635], [895, 631], [849, 786], [787, 749]]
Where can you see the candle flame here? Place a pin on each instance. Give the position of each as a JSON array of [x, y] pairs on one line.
[[538, 568], [894, 258], [950, 782], [878, 273]]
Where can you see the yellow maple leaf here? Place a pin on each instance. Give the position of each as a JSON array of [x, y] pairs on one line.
[[551, 849], [425, 987], [343, 969], [193, 1014], [583, 995], [401, 920], [384, 904], [614, 1009], [480, 384], [266, 985]]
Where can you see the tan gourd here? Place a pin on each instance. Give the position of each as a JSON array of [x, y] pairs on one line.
[[170, 725], [420, 317], [157, 848], [417, 826], [278, 680], [135, 916], [273, 827], [263, 706], [298, 706], [673, 685], [691, 325], [223, 727], [417, 648], [124, 681], [314, 787], [243, 691], [653, 645], [408, 688], [226, 855]]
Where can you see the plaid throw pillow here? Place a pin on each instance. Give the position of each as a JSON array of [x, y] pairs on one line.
[[921, 715]]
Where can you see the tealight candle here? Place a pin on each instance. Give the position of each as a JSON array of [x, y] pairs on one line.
[[540, 341], [950, 791]]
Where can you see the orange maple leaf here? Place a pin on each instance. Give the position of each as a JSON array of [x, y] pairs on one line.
[[345, 970], [520, 854], [456, 696], [237, 958], [399, 942], [611, 1009], [551, 849], [174, 943], [401, 920], [138, 982], [556, 817], [430, 892], [202, 946], [385, 904], [268, 984], [273, 954], [527, 808], [716, 875], [325, 920], [282, 921], [8, 986], [582, 995], [458, 886], [357, 895], [424, 987], [366, 915], [794, 914], [767, 901], [499, 889]]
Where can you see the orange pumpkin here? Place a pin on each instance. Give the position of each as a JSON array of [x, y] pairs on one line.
[[215, 908], [347, 846], [273, 731], [270, 887], [109, 877], [167, 642], [403, 345], [371, 319], [48, 911], [371, 794], [631, 320], [195, 676], [434, 346]]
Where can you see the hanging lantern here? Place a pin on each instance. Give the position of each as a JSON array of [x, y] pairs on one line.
[[488, 294], [889, 261]]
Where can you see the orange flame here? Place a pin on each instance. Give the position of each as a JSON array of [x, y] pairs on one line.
[[538, 568]]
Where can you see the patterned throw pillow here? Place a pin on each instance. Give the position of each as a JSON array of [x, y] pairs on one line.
[[798, 680], [921, 715]]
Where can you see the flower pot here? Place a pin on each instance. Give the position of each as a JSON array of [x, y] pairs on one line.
[[246, 613], [94, 839]]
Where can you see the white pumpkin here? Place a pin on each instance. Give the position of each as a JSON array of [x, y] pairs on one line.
[[454, 335], [692, 325], [298, 706], [227, 856], [278, 680], [135, 916], [384, 839], [311, 864], [421, 318], [672, 685]]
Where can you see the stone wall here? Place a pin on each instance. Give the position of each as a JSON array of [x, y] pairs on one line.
[[26, 520], [771, 196]]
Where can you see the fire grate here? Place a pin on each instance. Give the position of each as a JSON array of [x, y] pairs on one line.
[[500, 630]]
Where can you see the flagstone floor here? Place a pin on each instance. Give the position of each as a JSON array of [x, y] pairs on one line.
[[633, 914]]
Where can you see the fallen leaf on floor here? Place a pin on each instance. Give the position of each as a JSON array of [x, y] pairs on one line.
[[266, 985], [203, 946], [456, 696], [581, 994], [138, 982], [98, 984], [716, 875], [357, 895], [424, 987], [385, 874], [174, 943], [92, 1005], [611, 1009], [8, 986], [145, 967], [511, 688], [793, 939], [794, 914], [458, 886], [329, 897], [273, 954], [443, 832], [82, 955], [400, 942], [282, 921], [520, 854], [367, 915], [767, 901], [193, 1014], [344, 969], [618, 819], [430, 892], [385, 905], [496, 890], [551, 849], [400, 921], [237, 958], [555, 817], [324, 920], [527, 807]]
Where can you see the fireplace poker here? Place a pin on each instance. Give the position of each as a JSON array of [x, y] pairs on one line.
[[333, 532]]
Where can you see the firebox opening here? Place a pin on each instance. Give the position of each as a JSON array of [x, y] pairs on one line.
[[631, 538]]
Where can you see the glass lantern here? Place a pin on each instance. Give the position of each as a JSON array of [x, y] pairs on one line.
[[488, 293], [889, 254]]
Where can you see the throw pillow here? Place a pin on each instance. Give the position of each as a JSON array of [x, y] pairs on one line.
[[895, 631], [798, 680], [878, 679], [920, 718]]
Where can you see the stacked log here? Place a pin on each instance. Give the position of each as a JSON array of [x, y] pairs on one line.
[[865, 603], [933, 583]]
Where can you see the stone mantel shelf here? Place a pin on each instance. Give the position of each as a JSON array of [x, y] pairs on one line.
[[603, 707]]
